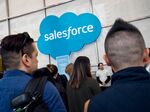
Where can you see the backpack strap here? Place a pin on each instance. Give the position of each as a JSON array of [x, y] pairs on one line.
[[31, 99], [36, 86]]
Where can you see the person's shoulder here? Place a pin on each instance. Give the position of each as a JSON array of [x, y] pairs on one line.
[[98, 102], [49, 86], [95, 103], [98, 72], [50, 90], [91, 80], [52, 98], [103, 96]]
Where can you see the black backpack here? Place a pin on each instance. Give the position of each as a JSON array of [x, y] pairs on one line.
[[31, 99]]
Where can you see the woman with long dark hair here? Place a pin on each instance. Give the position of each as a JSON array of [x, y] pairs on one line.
[[81, 86]]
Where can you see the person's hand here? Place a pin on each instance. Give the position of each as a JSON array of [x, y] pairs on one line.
[[104, 83]]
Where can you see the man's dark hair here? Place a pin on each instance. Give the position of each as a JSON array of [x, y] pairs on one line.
[[124, 45], [15, 46], [43, 72], [99, 64]]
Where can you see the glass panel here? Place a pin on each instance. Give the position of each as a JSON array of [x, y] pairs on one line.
[[3, 29], [109, 10], [77, 7], [144, 26], [100, 44], [3, 12], [55, 2], [17, 7], [29, 23], [89, 51], [53, 61]]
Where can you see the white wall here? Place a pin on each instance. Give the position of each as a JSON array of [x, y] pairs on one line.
[[23, 15]]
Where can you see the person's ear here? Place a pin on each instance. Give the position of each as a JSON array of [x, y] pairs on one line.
[[26, 60], [146, 55], [105, 57]]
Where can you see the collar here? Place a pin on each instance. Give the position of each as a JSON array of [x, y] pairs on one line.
[[16, 72], [130, 74]]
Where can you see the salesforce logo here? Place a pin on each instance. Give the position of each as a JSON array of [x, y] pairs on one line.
[[68, 33]]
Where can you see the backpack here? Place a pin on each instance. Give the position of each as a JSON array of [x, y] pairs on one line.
[[31, 99]]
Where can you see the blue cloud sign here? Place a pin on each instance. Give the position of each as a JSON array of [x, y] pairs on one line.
[[68, 33]]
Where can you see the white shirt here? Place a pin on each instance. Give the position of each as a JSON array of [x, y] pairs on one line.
[[102, 74]]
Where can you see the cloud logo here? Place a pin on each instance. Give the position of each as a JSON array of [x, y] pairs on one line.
[[68, 33]]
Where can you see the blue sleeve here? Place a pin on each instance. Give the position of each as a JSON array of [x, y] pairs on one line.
[[52, 98]]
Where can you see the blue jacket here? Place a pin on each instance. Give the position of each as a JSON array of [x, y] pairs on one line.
[[13, 84], [130, 92]]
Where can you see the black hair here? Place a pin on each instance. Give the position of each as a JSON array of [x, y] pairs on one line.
[[121, 25], [43, 72], [124, 44], [13, 47], [81, 70], [99, 64]]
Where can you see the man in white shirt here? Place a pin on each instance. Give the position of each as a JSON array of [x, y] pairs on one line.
[[103, 76]]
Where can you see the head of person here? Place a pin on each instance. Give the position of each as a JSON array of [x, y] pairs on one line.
[[69, 69], [43, 72], [53, 70], [81, 70], [101, 66], [19, 52], [124, 46]]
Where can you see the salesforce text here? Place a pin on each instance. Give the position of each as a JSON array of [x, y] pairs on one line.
[[67, 33]]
